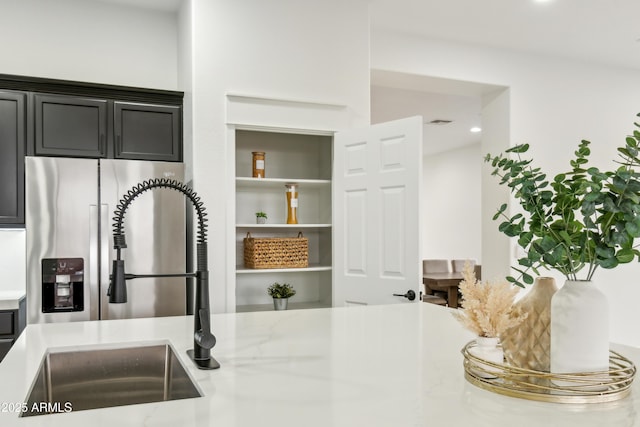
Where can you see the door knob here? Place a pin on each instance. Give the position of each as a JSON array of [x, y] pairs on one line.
[[410, 295]]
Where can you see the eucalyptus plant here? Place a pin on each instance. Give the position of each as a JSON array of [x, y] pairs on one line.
[[581, 220]]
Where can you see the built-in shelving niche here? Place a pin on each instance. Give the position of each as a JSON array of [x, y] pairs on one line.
[[290, 158]]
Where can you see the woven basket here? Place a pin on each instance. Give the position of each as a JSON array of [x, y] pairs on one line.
[[276, 252]]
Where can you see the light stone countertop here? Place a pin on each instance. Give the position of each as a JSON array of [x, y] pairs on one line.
[[390, 366], [9, 300]]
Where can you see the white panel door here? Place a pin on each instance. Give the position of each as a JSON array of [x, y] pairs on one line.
[[377, 177]]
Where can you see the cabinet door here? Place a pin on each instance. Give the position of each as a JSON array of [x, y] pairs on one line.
[[12, 148], [377, 176], [7, 322], [5, 346], [70, 127], [148, 132]]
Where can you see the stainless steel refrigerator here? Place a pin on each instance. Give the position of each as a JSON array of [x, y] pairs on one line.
[[69, 207]]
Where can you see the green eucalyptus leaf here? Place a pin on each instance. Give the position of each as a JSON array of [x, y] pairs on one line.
[[609, 205], [620, 239], [525, 239], [565, 236], [625, 255], [588, 208], [548, 243], [592, 196], [503, 226], [633, 227], [525, 262], [609, 263], [605, 252], [520, 148]]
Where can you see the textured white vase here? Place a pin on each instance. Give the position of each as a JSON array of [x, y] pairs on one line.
[[579, 329], [528, 344]]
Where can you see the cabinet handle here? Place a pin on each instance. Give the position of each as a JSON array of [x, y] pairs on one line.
[[102, 147], [119, 144]]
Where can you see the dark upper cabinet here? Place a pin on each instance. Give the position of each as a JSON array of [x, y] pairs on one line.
[[46, 117], [12, 149], [147, 132], [70, 126]]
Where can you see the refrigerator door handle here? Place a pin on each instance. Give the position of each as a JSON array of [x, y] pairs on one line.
[[104, 255], [94, 265]]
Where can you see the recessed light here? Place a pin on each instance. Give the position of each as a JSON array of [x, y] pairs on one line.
[[475, 129]]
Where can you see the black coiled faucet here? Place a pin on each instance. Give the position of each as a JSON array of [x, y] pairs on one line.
[[203, 339]]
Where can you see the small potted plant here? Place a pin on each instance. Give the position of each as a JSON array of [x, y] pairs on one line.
[[280, 294], [261, 217]]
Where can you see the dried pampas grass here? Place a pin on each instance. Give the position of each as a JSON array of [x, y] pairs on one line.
[[487, 308]]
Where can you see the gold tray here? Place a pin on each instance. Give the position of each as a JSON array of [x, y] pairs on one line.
[[587, 387]]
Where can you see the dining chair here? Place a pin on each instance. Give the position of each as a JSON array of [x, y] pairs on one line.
[[458, 264], [434, 299], [435, 266]]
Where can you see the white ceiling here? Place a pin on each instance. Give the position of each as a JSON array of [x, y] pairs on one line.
[[398, 95], [164, 5], [604, 31], [601, 31]]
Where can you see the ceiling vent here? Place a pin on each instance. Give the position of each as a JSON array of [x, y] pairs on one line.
[[439, 122]]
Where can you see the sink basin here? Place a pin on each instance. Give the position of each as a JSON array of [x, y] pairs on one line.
[[82, 378]]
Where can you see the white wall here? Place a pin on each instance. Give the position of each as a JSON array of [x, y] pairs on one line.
[[451, 204], [12, 260], [84, 41], [89, 41], [185, 81], [208, 49], [309, 51], [553, 103]]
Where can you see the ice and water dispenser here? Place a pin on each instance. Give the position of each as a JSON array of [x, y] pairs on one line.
[[62, 285]]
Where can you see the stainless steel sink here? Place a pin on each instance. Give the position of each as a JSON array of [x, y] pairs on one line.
[[89, 378]]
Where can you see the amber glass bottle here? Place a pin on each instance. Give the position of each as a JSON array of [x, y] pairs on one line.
[[292, 203], [258, 164]]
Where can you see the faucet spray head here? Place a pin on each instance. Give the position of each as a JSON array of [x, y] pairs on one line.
[[118, 287]]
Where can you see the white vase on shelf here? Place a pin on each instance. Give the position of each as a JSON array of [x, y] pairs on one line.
[[579, 329]]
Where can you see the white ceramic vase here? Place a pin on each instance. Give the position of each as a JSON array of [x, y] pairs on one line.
[[487, 349], [579, 329]]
